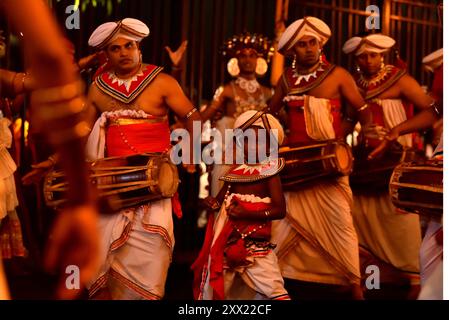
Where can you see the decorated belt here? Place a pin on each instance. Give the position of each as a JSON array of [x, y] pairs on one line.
[[127, 121]]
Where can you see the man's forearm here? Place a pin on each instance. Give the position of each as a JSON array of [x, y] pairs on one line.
[[421, 121]]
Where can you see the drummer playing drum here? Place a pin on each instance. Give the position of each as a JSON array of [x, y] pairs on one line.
[[391, 94], [133, 99], [318, 242]]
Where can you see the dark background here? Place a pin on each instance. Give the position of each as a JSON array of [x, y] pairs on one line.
[[415, 25]]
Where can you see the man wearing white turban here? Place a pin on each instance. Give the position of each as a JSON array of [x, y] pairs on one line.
[[237, 260], [391, 237], [431, 251], [134, 99], [316, 242]]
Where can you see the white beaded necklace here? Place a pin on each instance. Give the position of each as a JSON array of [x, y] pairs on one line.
[[249, 86]]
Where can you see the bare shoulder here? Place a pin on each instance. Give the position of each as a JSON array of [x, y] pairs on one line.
[[225, 90], [341, 72], [94, 92], [164, 79], [406, 80]]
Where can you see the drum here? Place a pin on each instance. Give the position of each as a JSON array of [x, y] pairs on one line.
[[121, 182], [307, 163], [375, 174], [418, 187]]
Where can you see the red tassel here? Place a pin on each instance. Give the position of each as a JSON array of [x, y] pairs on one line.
[[176, 205], [236, 254]]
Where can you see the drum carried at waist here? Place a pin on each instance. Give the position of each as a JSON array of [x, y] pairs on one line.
[[303, 164], [418, 187], [122, 182], [375, 174]]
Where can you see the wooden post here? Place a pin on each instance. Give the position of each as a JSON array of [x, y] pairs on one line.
[[277, 64], [386, 13]]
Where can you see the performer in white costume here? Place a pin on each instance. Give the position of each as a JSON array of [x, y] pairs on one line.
[[133, 99], [391, 235], [316, 242]]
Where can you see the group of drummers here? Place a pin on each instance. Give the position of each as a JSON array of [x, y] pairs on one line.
[[321, 212]]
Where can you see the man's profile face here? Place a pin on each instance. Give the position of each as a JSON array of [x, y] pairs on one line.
[[123, 55], [369, 62], [307, 51], [247, 60]]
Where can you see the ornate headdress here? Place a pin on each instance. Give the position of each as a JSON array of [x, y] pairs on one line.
[[232, 47]]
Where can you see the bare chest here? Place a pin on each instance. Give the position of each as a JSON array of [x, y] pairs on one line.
[[393, 92], [327, 89], [149, 100]]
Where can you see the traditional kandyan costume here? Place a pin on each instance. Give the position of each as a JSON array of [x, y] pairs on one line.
[[385, 232], [237, 259], [137, 243], [316, 241]]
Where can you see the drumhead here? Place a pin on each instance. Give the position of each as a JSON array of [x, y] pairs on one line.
[[343, 158], [168, 179]]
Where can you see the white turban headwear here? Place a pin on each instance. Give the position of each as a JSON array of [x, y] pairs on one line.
[[273, 122], [309, 26], [434, 60], [373, 43], [129, 28]]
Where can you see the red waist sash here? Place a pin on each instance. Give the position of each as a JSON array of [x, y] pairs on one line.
[[124, 140], [297, 123], [142, 137]]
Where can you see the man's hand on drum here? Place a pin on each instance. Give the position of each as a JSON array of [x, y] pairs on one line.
[[384, 145], [373, 131], [38, 172], [73, 243]]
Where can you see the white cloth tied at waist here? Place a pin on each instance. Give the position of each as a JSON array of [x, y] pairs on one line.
[[394, 114], [317, 115], [321, 215], [156, 215]]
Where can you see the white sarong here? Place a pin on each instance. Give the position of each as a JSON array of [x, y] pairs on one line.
[[137, 243], [317, 241], [392, 236]]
